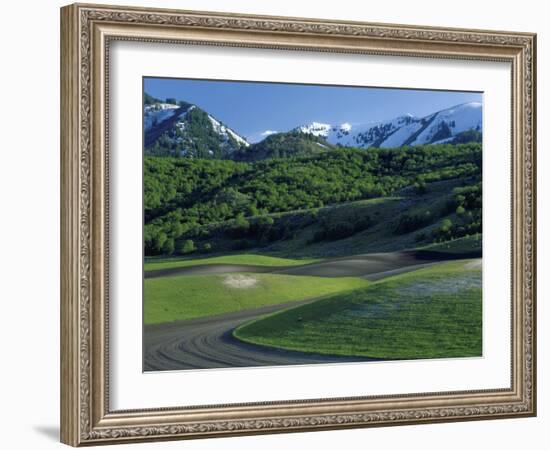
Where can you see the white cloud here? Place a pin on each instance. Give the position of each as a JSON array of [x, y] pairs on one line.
[[268, 132]]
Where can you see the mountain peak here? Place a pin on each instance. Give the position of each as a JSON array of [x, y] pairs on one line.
[[182, 129]]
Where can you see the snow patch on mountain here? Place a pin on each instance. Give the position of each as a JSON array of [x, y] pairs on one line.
[[224, 131], [268, 132], [316, 129], [400, 135], [158, 113], [452, 121], [345, 127]]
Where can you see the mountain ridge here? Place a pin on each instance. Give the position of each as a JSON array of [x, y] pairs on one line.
[[402, 130], [178, 128]]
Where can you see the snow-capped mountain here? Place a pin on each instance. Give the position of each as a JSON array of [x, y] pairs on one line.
[[184, 129], [438, 127]]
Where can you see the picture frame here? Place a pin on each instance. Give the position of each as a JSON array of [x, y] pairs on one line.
[[87, 34]]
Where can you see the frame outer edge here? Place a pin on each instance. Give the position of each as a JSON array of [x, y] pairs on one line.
[[535, 212], [69, 338], [533, 231], [81, 414]]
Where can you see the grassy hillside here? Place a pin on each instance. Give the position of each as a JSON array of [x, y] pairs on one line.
[[461, 246], [256, 260], [179, 298], [433, 312]]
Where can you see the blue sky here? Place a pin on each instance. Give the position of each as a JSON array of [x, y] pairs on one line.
[[252, 108]]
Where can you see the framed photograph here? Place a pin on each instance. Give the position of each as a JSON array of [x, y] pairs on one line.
[[279, 224]]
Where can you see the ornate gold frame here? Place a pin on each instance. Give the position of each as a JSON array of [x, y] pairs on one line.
[[86, 31]]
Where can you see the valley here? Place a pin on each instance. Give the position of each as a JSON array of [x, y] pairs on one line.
[[319, 244]]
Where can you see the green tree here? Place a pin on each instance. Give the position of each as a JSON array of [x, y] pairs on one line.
[[187, 247], [446, 225], [240, 226], [168, 246]]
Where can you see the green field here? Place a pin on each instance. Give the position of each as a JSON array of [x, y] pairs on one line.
[[186, 297], [256, 260], [460, 246], [429, 313]]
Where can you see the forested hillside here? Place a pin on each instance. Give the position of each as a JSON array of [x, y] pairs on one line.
[[210, 205], [284, 145]]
